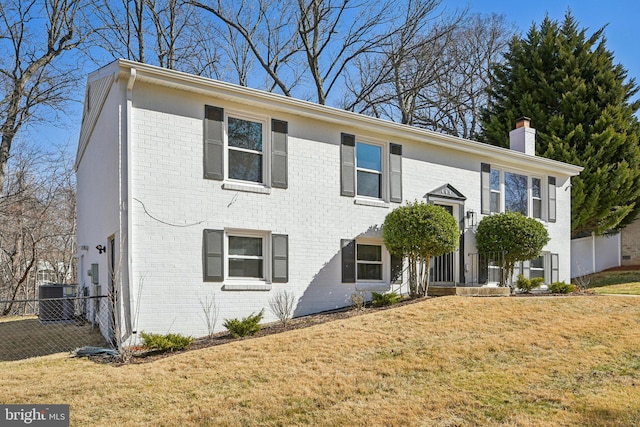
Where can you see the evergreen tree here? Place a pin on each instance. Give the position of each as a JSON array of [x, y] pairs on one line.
[[581, 105]]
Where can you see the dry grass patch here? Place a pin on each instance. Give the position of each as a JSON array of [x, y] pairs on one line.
[[442, 362]]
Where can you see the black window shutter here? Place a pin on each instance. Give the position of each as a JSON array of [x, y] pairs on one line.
[[555, 259], [552, 199], [213, 255], [485, 179], [348, 165], [348, 261], [395, 173], [396, 269], [213, 143], [280, 246], [279, 148]]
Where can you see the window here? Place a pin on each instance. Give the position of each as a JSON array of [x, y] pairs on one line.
[[245, 150], [509, 191], [536, 197], [369, 262], [239, 254], [536, 267], [369, 170], [495, 191], [515, 193], [246, 257], [245, 144], [365, 172]]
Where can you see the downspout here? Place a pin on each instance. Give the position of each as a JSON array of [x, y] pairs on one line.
[[593, 252], [125, 231]]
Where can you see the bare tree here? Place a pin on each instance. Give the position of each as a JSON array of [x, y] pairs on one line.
[[453, 103], [166, 33], [37, 222], [120, 28], [267, 28], [436, 73], [387, 84], [34, 36]]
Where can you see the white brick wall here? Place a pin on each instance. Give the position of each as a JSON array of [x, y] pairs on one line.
[[166, 176]]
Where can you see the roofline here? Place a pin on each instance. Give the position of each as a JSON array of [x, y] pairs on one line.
[[244, 95]]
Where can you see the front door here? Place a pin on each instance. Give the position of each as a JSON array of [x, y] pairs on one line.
[[445, 268]]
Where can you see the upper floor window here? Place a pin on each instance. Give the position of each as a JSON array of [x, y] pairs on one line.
[[510, 191], [496, 194], [369, 170], [536, 197], [245, 149], [516, 193], [245, 145]]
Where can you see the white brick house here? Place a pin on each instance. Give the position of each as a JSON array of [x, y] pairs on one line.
[[202, 189]]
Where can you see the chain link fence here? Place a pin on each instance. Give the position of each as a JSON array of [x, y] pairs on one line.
[[57, 321]]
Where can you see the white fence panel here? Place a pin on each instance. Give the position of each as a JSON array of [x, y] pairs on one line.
[[594, 253]]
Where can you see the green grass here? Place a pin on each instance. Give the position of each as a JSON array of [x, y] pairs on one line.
[[615, 282], [623, 289]]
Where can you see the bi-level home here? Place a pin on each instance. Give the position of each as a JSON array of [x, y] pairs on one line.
[[193, 190]]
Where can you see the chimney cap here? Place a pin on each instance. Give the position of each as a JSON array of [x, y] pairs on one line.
[[523, 121]]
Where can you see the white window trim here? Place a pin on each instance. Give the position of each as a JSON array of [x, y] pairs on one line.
[[500, 190], [543, 191], [384, 154], [503, 185], [543, 217], [375, 285], [230, 281], [238, 184]]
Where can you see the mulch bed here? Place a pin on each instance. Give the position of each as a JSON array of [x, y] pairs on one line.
[[142, 355]]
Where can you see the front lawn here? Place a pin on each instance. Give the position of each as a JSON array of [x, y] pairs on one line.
[[625, 282], [570, 360]]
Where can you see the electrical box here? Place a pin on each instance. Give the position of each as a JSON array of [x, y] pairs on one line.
[[94, 274]]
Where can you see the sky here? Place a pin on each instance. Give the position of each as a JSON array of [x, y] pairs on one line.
[[622, 18]]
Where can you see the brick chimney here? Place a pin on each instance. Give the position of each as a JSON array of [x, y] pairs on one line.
[[523, 137]]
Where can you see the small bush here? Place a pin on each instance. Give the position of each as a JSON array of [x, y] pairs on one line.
[[527, 285], [383, 300], [561, 288], [249, 325], [358, 300], [281, 304], [536, 282], [168, 342]]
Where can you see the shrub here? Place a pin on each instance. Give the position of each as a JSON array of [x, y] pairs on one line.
[[383, 300], [358, 300], [418, 232], [561, 288], [281, 304], [247, 326], [527, 285], [514, 236], [168, 342], [537, 282]]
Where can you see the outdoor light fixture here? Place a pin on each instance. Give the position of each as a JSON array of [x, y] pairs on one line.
[[101, 249], [471, 218]]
